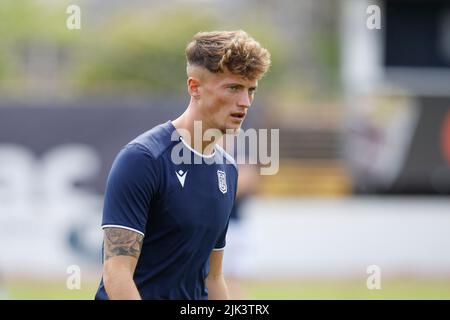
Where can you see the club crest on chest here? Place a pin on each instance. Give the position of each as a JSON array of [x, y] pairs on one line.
[[222, 180]]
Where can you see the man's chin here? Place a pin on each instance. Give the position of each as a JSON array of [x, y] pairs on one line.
[[233, 131]]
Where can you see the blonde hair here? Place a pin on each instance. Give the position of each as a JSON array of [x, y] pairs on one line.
[[233, 50]]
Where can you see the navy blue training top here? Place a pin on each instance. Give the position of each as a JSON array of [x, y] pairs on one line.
[[182, 209]]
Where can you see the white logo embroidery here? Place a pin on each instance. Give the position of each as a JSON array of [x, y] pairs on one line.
[[181, 176], [222, 181]]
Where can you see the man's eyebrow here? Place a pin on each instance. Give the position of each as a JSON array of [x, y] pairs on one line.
[[235, 84]]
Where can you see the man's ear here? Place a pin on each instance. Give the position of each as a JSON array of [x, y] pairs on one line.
[[193, 85]]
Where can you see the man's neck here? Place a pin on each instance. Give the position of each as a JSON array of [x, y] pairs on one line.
[[192, 129]]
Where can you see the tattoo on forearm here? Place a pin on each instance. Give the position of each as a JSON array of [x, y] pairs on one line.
[[122, 242]]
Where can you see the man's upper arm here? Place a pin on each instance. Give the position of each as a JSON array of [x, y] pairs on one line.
[[215, 264], [122, 242], [121, 247]]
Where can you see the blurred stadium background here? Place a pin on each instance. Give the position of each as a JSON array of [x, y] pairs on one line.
[[364, 119]]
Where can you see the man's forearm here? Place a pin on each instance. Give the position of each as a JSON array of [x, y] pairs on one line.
[[217, 288]]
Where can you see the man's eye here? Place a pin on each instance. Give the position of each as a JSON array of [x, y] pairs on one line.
[[234, 88]]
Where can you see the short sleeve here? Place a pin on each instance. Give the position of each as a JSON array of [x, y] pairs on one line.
[[221, 242], [131, 185]]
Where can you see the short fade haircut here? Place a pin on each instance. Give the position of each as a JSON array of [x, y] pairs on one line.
[[233, 50]]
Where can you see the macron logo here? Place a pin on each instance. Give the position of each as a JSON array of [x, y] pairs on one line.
[[181, 176]]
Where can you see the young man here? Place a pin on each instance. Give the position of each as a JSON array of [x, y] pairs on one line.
[[165, 221]]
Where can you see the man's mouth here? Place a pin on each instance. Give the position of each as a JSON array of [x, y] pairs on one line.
[[238, 115]]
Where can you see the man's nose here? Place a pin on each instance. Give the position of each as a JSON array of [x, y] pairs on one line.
[[244, 101]]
